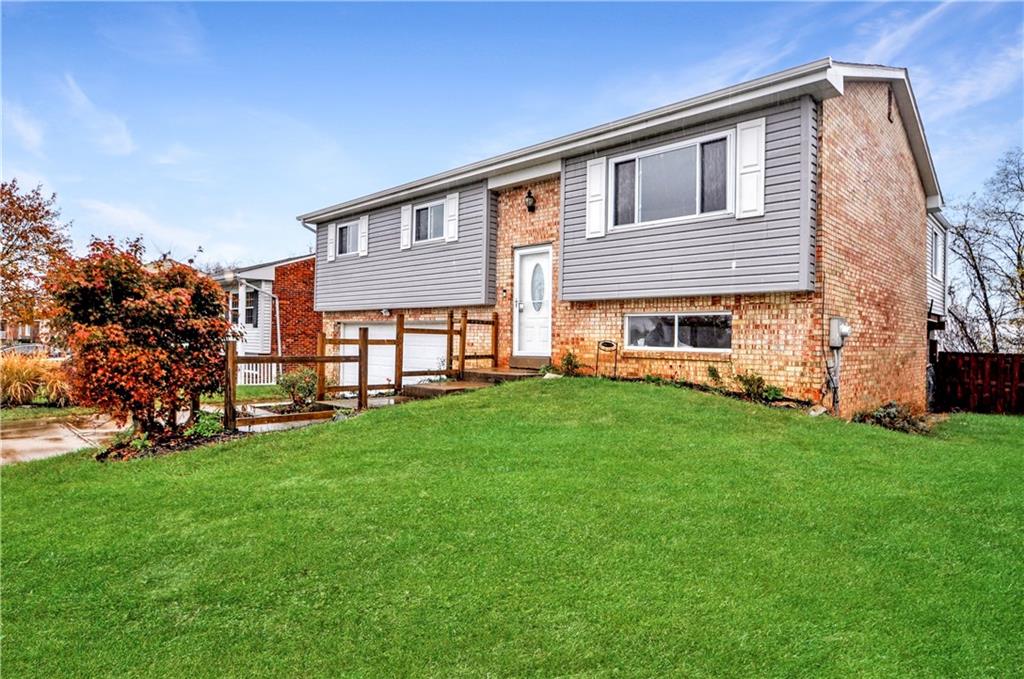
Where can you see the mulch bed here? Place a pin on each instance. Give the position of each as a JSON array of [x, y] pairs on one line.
[[289, 408], [160, 447]]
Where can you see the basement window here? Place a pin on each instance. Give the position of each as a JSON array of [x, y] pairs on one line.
[[679, 332]]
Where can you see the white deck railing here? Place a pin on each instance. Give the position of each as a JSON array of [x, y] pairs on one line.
[[257, 375]]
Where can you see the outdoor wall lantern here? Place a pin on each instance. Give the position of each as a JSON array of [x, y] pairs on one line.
[[531, 202]]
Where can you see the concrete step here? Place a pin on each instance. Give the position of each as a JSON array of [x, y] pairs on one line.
[[495, 375], [432, 389]]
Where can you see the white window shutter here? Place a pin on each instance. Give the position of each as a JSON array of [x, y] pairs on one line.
[[364, 235], [332, 242], [750, 168], [597, 186], [406, 227], [451, 217]]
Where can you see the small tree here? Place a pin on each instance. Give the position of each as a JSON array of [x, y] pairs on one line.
[[144, 341], [986, 306], [34, 239]]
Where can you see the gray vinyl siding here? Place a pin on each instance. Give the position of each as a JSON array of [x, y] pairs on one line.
[[426, 275], [492, 248], [718, 256], [936, 286]]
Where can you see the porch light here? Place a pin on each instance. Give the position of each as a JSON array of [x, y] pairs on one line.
[[531, 202]]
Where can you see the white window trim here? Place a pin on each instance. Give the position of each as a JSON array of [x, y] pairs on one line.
[[337, 238], [940, 236], [686, 350], [730, 182], [420, 206]]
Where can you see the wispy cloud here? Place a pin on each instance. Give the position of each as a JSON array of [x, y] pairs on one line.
[[161, 33], [27, 179], [971, 82], [129, 221], [175, 154], [108, 130], [26, 128], [896, 35], [741, 57]]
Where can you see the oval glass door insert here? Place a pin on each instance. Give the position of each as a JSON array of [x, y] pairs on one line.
[[537, 286]]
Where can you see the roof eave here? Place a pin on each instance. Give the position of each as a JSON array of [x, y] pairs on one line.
[[814, 78]]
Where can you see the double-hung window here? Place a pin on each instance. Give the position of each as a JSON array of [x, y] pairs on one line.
[[428, 221], [252, 308], [680, 332], [684, 180], [348, 238]]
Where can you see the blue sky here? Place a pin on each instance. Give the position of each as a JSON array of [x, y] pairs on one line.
[[213, 125]]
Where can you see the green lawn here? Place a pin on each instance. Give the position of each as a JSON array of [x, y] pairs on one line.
[[38, 412], [244, 394], [544, 528]]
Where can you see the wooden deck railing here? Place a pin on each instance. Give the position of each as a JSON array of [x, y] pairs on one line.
[[454, 355]]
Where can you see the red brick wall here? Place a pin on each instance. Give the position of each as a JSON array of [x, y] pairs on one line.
[[293, 285], [871, 258], [871, 250]]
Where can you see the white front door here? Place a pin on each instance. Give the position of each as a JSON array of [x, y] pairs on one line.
[[531, 311]]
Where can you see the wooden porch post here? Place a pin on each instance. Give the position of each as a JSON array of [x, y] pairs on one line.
[[364, 355], [230, 375], [451, 335], [399, 350], [494, 339], [463, 323], [321, 369]]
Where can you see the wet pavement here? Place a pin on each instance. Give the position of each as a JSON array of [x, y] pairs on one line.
[[26, 440]]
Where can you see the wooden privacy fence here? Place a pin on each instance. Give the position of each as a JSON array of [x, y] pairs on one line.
[[454, 355], [979, 383]]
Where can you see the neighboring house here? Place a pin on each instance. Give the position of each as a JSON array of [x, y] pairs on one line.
[[723, 231], [36, 331], [271, 306]]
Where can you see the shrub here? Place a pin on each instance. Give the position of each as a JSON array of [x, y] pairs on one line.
[[205, 425], [715, 377], [146, 341], [895, 416], [570, 365], [55, 388], [756, 388], [20, 378], [299, 385]]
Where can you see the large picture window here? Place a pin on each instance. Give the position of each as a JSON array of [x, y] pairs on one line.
[[680, 332], [428, 222], [679, 181]]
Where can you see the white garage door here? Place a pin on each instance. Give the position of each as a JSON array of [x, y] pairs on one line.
[[422, 352]]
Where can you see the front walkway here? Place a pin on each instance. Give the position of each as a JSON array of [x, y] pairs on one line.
[[26, 440]]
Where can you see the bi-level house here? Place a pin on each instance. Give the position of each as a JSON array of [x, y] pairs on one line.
[[747, 230]]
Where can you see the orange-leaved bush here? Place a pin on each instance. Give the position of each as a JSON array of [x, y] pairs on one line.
[[146, 341]]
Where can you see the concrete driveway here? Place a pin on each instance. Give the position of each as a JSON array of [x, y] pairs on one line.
[[26, 440]]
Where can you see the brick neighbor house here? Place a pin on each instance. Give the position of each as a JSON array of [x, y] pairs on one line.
[[271, 305], [733, 230]]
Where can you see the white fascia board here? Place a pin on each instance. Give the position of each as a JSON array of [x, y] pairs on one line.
[[548, 169], [814, 79]]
